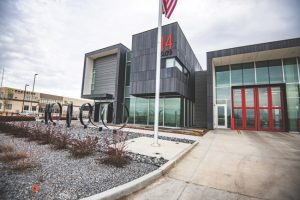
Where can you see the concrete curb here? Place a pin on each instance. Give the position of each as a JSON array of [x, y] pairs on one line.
[[139, 183]]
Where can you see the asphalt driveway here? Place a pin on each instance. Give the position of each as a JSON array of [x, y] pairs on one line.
[[231, 165]]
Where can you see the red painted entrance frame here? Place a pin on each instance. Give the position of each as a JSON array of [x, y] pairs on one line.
[[257, 108]]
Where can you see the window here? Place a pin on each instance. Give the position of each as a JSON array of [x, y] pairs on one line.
[[222, 76], [141, 111], [248, 74], [237, 74], [290, 70], [8, 106], [172, 112], [93, 79], [172, 62], [262, 72], [10, 95], [127, 75], [33, 108], [26, 107], [275, 71]]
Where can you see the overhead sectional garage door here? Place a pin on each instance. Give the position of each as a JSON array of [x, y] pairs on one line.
[[105, 77]]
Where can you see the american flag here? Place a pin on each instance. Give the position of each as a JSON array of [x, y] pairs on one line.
[[168, 7]]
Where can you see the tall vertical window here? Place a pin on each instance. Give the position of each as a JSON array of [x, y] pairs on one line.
[[275, 71], [172, 112], [93, 79], [248, 74], [152, 111], [222, 76], [290, 70], [262, 72], [127, 75], [237, 74], [130, 104], [141, 111]]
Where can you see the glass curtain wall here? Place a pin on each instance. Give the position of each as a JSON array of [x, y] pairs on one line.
[[257, 73], [141, 111]]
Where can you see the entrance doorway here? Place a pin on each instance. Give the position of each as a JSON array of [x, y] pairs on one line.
[[221, 116], [258, 108]]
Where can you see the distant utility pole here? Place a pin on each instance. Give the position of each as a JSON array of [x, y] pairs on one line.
[[2, 76]]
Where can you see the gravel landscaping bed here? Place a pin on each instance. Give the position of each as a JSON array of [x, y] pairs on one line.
[[63, 177]]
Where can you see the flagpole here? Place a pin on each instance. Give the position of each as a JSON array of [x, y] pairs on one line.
[[2, 76], [157, 81]]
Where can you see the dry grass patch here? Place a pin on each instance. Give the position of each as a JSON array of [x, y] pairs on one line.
[[12, 156], [6, 148]]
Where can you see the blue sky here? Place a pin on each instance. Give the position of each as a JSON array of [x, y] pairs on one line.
[[50, 37]]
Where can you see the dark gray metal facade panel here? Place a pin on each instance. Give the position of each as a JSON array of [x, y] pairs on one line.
[[200, 119], [105, 79], [143, 64], [120, 82], [119, 61], [234, 51], [111, 71]]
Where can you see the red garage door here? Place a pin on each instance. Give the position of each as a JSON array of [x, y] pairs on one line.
[[258, 108]]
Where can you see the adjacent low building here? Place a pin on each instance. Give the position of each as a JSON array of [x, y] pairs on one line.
[[253, 87], [12, 100]]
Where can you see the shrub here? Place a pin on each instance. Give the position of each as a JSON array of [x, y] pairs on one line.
[[12, 156], [18, 160], [61, 139], [83, 147], [115, 148], [18, 130], [6, 148], [16, 118]]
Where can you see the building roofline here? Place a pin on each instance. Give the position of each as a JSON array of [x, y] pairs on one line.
[[155, 28], [119, 45], [261, 46]]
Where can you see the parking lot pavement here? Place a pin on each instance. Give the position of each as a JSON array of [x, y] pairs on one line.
[[229, 165]]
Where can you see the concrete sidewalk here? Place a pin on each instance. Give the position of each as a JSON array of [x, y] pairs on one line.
[[228, 165]]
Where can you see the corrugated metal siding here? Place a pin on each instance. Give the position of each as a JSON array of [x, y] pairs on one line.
[[105, 80]]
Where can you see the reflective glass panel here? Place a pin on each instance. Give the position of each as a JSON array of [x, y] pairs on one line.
[[229, 114], [276, 99], [250, 120], [141, 111], [221, 116], [263, 97], [293, 113], [264, 118], [236, 74], [130, 103], [172, 112], [292, 90], [237, 97], [152, 111], [290, 70], [277, 118], [248, 74], [170, 62], [127, 78], [262, 72], [275, 71], [249, 97], [223, 93], [222, 76], [238, 123]]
